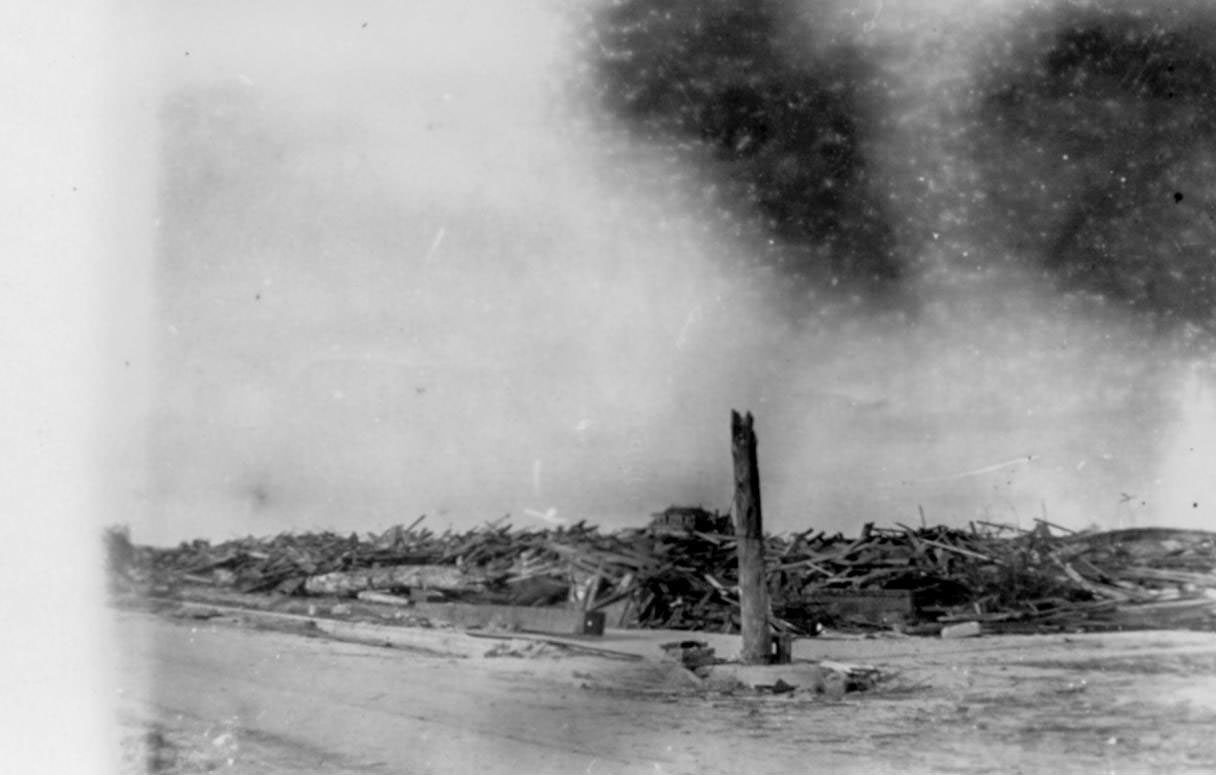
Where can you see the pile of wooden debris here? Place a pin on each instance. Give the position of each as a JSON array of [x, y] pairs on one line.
[[672, 575]]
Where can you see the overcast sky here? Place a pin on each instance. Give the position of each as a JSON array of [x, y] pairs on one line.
[[385, 262]]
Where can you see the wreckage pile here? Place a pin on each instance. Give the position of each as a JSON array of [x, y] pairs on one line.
[[674, 575]]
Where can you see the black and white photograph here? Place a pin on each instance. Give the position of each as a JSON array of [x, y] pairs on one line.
[[627, 386]]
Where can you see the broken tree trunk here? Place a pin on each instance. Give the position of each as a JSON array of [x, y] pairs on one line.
[[444, 577], [749, 531]]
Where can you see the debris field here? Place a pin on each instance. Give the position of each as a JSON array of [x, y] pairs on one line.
[[680, 572]]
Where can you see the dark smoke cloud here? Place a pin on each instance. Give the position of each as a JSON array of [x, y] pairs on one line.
[[781, 137], [1096, 138]]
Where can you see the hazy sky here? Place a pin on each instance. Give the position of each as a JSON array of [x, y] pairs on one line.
[[386, 260]]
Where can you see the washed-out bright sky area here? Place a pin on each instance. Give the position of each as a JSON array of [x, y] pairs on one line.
[[391, 259]]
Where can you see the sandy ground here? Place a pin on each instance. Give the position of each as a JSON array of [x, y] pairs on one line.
[[234, 694]]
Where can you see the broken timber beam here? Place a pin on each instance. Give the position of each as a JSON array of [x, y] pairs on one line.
[[444, 577], [749, 530]]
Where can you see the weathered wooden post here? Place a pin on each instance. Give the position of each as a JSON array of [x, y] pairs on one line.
[[749, 538]]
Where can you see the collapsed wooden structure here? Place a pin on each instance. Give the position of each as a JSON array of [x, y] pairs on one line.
[[1042, 579]]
